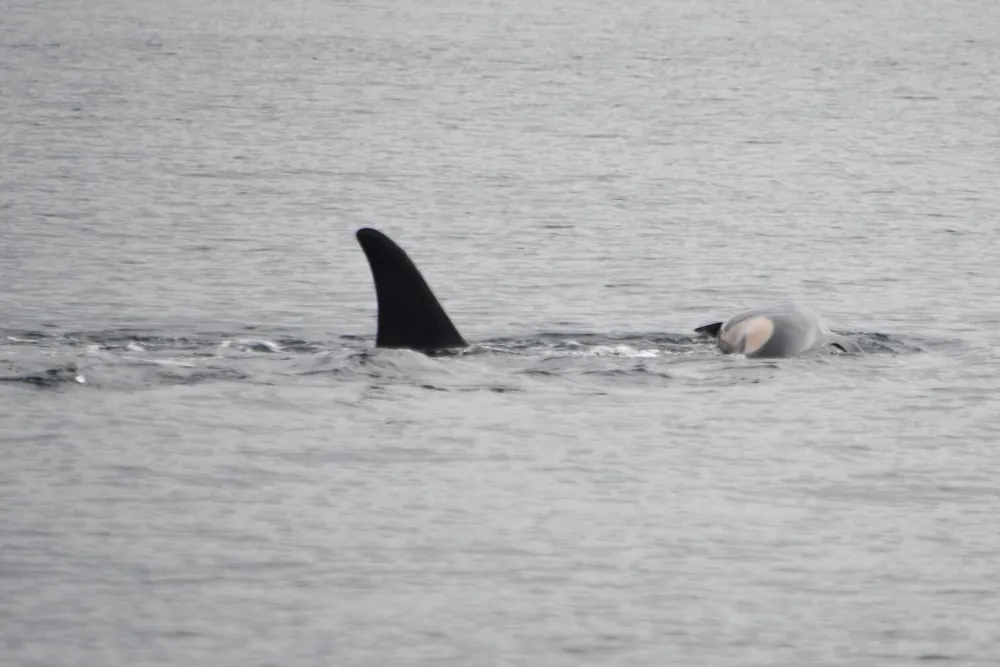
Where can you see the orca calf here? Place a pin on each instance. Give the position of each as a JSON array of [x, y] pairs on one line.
[[783, 331], [410, 316]]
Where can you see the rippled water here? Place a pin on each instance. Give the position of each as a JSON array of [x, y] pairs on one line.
[[207, 462]]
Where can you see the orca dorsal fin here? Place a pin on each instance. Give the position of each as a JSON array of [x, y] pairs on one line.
[[710, 329], [409, 315]]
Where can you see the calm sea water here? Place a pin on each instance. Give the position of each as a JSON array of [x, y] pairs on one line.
[[206, 462]]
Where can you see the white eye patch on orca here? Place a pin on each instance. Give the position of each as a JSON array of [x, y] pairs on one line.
[[748, 336]]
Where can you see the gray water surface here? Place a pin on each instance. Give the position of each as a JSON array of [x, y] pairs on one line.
[[206, 461]]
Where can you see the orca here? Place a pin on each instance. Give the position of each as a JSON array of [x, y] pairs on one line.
[[782, 331], [409, 315]]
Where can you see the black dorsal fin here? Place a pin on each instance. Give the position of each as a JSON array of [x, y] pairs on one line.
[[710, 329], [409, 315]]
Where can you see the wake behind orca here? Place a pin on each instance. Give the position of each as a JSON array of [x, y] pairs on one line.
[[411, 317]]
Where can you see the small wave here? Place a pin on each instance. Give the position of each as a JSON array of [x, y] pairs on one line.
[[629, 372], [370, 362], [879, 343], [23, 337], [203, 375], [136, 340], [51, 377], [623, 351], [638, 345], [251, 345], [143, 361], [21, 341]]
